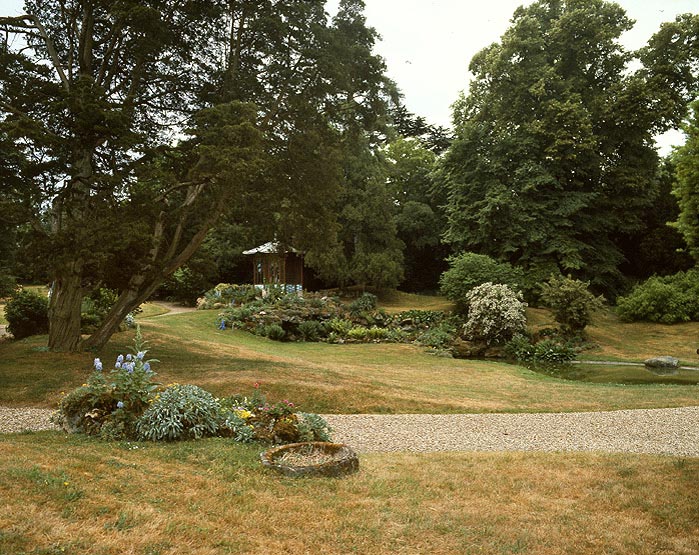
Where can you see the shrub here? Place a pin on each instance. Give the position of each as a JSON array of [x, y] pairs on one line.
[[27, 314], [95, 308], [274, 332], [311, 330], [180, 412], [571, 302], [227, 294], [667, 300], [469, 270], [366, 303], [548, 351], [495, 314], [110, 404], [8, 285]]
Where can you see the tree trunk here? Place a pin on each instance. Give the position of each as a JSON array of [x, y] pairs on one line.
[[129, 300], [64, 309]]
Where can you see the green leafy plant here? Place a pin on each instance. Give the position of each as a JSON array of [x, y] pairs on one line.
[[666, 300], [366, 303], [109, 404], [571, 302], [469, 270], [27, 314], [180, 412]]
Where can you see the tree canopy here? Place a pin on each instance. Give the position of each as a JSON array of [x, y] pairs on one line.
[[554, 161], [129, 128]]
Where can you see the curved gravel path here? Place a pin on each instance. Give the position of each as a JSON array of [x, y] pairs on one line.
[[657, 431]]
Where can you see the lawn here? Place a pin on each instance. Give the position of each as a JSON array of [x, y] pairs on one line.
[[63, 494], [325, 378], [71, 494]]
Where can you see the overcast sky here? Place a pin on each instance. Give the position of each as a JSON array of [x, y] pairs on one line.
[[428, 44]]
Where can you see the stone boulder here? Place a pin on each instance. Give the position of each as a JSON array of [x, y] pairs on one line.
[[662, 362]]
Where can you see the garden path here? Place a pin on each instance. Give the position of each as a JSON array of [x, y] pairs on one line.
[[671, 432]]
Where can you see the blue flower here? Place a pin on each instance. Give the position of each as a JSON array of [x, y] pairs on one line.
[[117, 365], [140, 355], [128, 357], [120, 405], [222, 325], [120, 359], [98, 365], [146, 366]]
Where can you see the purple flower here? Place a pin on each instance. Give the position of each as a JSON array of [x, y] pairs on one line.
[[120, 405], [98, 365]]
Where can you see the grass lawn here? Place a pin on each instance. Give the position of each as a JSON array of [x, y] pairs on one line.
[[71, 494], [359, 378], [64, 494]]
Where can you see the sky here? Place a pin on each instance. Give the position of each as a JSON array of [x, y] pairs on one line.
[[428, 44]]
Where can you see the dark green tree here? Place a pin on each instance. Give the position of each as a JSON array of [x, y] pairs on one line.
[[323, 98], [419, 218], [92, 98], [554, 162], [686, 159]]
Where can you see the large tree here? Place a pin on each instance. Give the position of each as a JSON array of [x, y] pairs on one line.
[[132, 126], [554, 160], [686, 188]]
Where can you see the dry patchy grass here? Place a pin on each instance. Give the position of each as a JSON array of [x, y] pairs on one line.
[[366, 378], [70, 494]]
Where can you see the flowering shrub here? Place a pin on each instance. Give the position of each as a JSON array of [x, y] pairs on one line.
[[110, 403], [180, 412], [495, 314]]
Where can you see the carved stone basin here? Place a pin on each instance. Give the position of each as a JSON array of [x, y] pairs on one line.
[[311, 458]]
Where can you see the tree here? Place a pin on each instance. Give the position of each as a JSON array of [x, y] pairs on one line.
[[129, 135], [686, 188], [553, 161], [419, 217]]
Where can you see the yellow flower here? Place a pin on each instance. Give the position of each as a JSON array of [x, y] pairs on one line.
[[244, 414]]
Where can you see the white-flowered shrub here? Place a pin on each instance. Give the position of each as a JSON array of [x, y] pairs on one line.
[[495, 314]]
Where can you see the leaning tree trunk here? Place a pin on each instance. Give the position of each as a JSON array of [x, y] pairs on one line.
[[64, 308], [129, 300]]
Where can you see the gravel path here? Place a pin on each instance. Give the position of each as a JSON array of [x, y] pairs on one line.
[[658, 431]]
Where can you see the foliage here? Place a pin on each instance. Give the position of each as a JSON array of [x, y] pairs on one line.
[[180, 412], [254, 419], [27, 314], [571, 302], [7, 285], [366, 303], [495, 314], [666, 299], [110, 404], [468, 270], [552, 166], [227, 294], [185, 285], [686, 159], [549, 351]]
